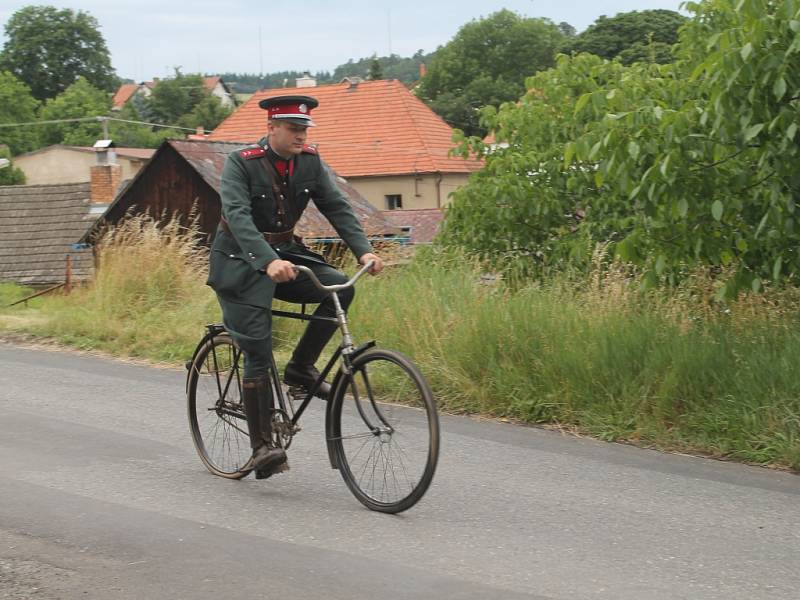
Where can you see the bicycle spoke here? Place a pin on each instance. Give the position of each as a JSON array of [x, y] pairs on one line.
[[387, 435]]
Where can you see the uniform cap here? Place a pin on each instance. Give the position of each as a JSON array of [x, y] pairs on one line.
[[294, 109]]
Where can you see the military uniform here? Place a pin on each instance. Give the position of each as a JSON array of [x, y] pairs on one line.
[[252, 204], [263, 196]]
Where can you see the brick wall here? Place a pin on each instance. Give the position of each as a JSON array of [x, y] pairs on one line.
[[105, 181]]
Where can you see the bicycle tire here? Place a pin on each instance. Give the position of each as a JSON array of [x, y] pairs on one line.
[[386, 407], [216, 413]]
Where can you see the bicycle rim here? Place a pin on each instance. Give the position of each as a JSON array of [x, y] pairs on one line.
[[216, 413], [386, 435]]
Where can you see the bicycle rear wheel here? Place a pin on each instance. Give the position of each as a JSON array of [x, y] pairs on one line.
[[216, 413], [385, 431]]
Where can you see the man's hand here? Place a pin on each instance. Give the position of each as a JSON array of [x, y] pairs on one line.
[[281, 271], [377, 262]]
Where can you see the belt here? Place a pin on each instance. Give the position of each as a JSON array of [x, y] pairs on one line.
[[272, 237]]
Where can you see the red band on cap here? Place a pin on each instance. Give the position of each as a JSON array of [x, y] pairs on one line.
[[297, 111]]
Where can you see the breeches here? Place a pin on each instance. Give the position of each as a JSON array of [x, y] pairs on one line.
[[251, 326]]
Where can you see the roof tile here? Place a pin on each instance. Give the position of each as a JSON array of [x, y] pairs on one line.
[[373, 128]]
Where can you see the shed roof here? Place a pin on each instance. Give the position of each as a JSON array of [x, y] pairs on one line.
[[38, 226], [208, 158], [370, 128], [420, 224]]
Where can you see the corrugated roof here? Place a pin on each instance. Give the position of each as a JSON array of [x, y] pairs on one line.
[[374, 128], [208, 159], [38, 225]]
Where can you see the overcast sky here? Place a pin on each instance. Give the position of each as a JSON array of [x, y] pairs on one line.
[[148, 38]]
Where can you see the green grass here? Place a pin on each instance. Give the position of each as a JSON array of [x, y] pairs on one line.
[[670, 370]]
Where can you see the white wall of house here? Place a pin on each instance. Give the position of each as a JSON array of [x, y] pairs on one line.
[[224, 97], [58, 164], [429, 190]]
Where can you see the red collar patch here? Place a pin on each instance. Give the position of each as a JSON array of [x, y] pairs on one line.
[[252, 153]]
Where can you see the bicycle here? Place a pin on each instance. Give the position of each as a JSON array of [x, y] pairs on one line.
[[381, 422]]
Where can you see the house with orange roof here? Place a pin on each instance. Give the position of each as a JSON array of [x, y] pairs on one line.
[[378, 135], [214, 85]]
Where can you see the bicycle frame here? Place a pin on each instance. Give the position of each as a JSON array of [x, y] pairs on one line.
[[346, 352]]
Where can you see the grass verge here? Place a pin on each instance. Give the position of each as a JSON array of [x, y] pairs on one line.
[[668, 370]]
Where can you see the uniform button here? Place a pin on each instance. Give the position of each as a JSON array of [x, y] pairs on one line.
[[279, 224], [252, 256], [263, 195], [306, 190], [233, 256]]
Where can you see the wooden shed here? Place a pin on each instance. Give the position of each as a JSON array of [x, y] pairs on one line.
[[185, 176]]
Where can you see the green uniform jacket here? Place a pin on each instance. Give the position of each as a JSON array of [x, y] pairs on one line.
[[238, 259]]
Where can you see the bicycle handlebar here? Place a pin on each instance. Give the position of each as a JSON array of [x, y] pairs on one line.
[[335, 287]]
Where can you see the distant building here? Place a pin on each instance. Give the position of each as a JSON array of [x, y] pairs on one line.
[[71, 164], [214, 85]]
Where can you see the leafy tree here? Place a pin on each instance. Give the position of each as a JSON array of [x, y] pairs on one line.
[[80, 100], [49, 48], [17, 105], [10, 175], [172, 98], [375, 70], [671, 166], [633, 36], [485, 64], [567, 29], [208, 113]]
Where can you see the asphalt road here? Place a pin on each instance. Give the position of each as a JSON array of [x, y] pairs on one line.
[[102, 496]]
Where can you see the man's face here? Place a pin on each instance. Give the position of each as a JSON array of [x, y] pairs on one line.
[[286, 138]]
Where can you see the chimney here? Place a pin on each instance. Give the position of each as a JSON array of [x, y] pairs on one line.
[[106, 174], [305, 81], [423, 70], [199, 134]]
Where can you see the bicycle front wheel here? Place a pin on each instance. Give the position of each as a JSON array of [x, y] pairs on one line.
[[385, 431], [216, 413]]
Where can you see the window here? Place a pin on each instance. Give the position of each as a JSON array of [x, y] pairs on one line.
[[394, 201]]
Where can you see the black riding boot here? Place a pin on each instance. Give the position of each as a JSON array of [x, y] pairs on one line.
[[300, 370], [258, 402]]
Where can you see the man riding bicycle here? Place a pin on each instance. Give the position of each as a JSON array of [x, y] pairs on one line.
[[265, 189]]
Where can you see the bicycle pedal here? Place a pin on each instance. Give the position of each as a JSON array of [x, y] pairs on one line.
[[297, 393]]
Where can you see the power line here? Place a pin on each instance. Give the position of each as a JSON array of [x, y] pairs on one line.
[[103, 120]]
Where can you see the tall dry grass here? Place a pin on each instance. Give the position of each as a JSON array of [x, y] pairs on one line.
[[666, 368], [148, 297]]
